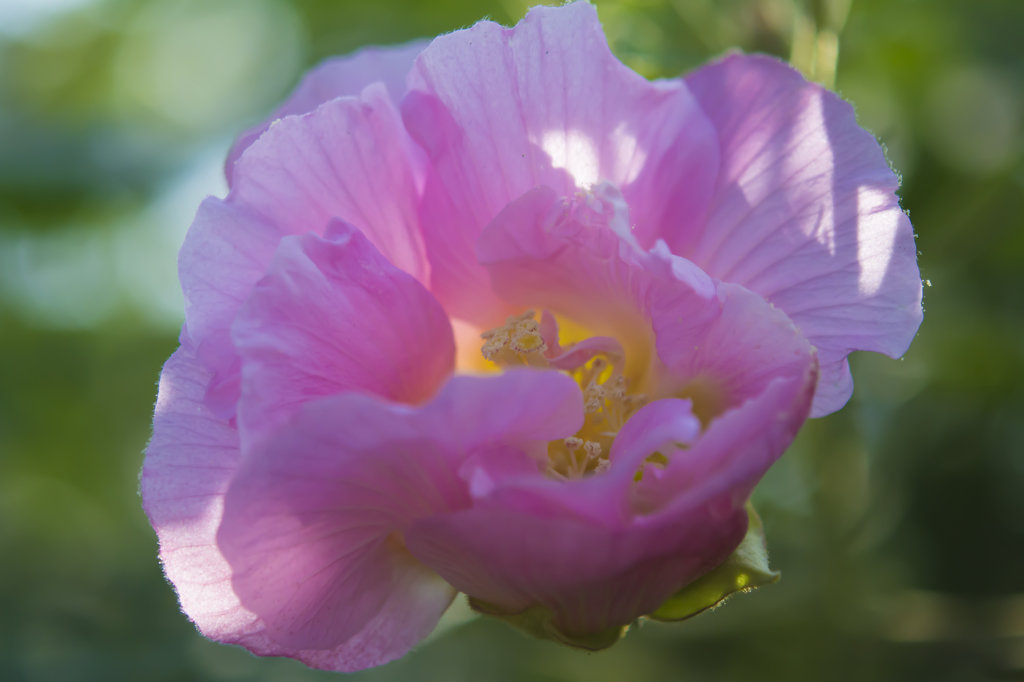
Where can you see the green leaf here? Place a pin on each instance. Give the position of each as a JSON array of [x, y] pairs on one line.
[[536, 622], [745, 569]]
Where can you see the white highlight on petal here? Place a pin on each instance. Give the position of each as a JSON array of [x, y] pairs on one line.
[[573, 151], [826, 223], [875, 209], [629, 156]]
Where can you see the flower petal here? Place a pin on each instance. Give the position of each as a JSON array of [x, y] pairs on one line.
[[806, 215], [352, 159], [715, 337], [727, 353], [314, 517], [337, 77], [333, 315], [189, 463], [309, 518], [735, 450], [502, 110], [604, 500], [225, 253], [589, 577], [596, 553], [517, 549], [538, 253]]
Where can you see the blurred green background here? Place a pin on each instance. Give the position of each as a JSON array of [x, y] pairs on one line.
[[898, 523]]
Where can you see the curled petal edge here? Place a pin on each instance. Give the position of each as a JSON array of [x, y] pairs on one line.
[[745, 569], [538, 622]]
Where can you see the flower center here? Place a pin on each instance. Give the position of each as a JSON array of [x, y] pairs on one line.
[[596, 364], [517, 342]]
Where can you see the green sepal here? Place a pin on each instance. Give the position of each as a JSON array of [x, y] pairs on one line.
[[536, 622], [745, 569]]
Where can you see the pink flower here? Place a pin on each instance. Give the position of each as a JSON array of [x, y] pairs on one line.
[[324, 476]]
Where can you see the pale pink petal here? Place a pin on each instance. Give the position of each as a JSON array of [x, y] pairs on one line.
[[589, 576], [333, 315], [349, 159], [539, 252], [313, 519], [535, 542], [742, 346], [835, 386], [548, 327], [605, 499], [189, 464], [805, 214], [515, 407], [502, 110], [309, 517], [225, 252], [667, 422], [335, 77], [416, 601], [594, 552], [734, 452]]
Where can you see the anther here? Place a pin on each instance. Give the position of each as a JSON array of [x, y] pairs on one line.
[[517, 342]]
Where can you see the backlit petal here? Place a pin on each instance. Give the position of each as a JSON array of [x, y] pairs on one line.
[[314, 517], [806, 215], [333, 315], [502, 110], [337, 77], [189, 464]]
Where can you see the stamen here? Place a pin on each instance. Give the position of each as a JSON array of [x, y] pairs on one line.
[[517, 342], [606, 398], [607, 404]]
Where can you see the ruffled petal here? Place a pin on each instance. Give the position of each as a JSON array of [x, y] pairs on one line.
[[729, 351], [805, 214], [335, 77], [718, 343], [189, 464], [540, 253], [606, 499], [225, 253], [308, 520], [314, 518], [333, 315], [502, 110], [525, 546], [734, 452], [588, 576], [597, 553], [351, 159]]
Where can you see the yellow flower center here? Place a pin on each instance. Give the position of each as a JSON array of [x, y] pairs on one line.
[[607, 400]]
